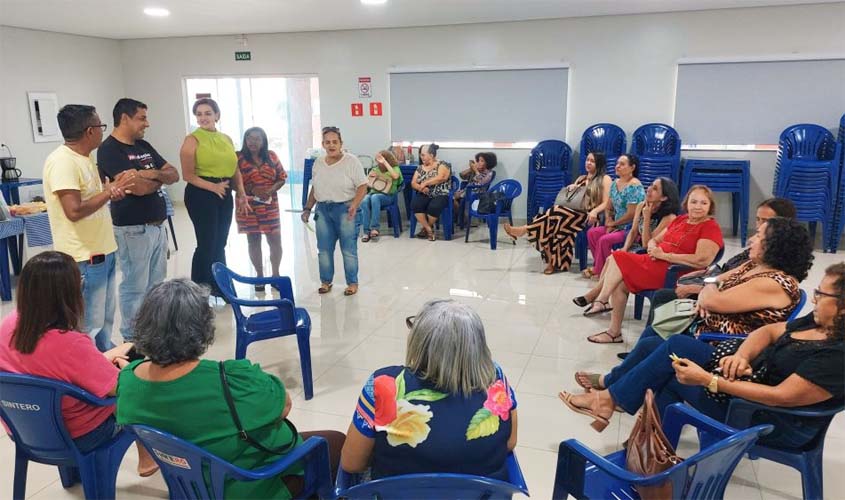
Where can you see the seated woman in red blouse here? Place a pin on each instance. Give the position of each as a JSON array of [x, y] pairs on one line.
[[693, 239], [42, 338], [448, 409]]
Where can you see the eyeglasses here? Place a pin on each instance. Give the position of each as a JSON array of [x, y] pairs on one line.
[[101, 126], [818, 293], [409, 321], [326, 130]]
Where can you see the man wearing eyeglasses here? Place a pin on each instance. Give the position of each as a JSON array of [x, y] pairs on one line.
[[79, 220]]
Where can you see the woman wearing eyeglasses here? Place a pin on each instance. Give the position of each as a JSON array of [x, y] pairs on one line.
[[800, 363], [338, 185], [448, 409]]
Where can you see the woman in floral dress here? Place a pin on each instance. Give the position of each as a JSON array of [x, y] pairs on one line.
[[263, 175], [450, 408]]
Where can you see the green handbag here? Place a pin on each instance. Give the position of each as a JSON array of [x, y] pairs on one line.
[[674, 317]]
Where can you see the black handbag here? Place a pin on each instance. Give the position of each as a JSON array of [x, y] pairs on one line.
[[487, 202], [281, 450]]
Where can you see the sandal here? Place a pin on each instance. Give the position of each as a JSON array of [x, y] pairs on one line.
[[148, 472], [431, 236], [599, 422], [351, 290], [374, 235], [588, 273], [550, 269], [605, 307], [324, 288], [581, 301], [605, 334], [588, 381], [365, 238], [422, 234], [507, 228]]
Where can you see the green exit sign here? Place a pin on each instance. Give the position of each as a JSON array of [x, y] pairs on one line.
[[243, 56]]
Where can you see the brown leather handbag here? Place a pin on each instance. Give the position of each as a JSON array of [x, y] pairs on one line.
[[649, 451]]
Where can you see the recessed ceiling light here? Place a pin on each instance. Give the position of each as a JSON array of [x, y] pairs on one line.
[[156, 12], [373, 2]]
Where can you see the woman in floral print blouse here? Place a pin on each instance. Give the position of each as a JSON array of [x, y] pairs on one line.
[[448, 409]]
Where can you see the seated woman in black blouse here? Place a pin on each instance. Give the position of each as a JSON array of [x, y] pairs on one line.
[[800, 363]]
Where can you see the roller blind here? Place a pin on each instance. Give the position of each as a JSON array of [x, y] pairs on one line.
[[752, 102], [479, 106]]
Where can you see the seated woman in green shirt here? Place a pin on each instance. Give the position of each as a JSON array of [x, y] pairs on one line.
[[384, 180], [175, 391]]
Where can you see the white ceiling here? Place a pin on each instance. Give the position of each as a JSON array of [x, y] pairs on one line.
[[124, 19]]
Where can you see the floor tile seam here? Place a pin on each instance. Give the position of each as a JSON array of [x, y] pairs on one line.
[[51, 483]]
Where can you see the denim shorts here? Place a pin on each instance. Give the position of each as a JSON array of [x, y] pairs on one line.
[[99, 435]]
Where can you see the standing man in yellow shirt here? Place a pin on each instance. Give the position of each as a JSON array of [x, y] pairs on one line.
[[80, 222]]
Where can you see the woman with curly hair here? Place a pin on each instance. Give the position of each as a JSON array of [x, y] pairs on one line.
[[760, 292], [800, 363]]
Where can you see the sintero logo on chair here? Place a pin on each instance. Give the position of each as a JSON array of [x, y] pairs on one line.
[[19, 406]]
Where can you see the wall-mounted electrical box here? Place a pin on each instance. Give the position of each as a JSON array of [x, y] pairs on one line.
[[43, 108]]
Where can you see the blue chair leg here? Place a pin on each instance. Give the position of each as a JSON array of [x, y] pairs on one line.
[[493, 225], [735, 212], [812, 474], [19, 488], [639, 300], [303, 341], [581, 248], [5, 279], [467, 227], [69, 475], [240, 345]]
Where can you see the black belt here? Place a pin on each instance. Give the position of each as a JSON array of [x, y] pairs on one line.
[[215, 179], [154, 223]]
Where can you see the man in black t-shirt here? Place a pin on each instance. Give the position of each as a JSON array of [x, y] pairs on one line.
[[138, 218]]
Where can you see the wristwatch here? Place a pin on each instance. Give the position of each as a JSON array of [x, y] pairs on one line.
[[712, 280], [713, 386]]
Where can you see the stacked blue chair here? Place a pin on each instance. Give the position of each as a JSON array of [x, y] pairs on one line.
[[467, 187], [658, 147], [447, 217], [604, 138], [582, 473], [723, 176], [807, 173], [548, 173], [442, 486], [193, 473], [307, 172], [510, 189], [839, 212], [32, 408], [283, 319]]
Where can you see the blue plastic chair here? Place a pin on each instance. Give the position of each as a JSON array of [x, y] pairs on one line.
[[283, 320], [674, 272], [408, 170], [467, 187], [446, 217], [658, 147], [511, 189], [809, 460], [548, 173], [839, 210], [605, 138], [724, 176], [393, 216], [583, 473], [439, 485], [307, 172], [32, 409], [193, 473], [718, 337]]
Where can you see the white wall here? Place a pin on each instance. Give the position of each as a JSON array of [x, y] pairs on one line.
[[80, 70], [622, 67]]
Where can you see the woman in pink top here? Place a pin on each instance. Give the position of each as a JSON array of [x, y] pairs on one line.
[[42, 338]]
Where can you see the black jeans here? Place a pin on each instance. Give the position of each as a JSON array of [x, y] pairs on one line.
[[212, 217]]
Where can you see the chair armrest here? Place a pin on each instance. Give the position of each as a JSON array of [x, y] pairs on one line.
[[573, 447], [261, 303], [678, 415], [673, 273], [266, 280], [741, 411], [718, 337], [346, 480], [314, 448]]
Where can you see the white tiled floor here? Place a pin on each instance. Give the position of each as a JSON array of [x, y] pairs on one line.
[[533, 329]]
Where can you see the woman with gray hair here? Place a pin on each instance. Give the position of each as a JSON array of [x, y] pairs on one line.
[[173, 387], [448, 409]]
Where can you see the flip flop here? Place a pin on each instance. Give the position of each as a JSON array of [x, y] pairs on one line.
[[613, 340], [365, 238], [605, 308], [350, 290], [581, 301], [324, 288], [592, 381], [599, 422]]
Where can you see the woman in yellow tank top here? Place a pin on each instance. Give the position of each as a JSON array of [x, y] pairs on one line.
[[210, 167]]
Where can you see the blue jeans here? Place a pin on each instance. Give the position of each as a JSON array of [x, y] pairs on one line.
[[371, 209], [648, 366], [98, 436], [98, 294], [142, 254], [333, 225]]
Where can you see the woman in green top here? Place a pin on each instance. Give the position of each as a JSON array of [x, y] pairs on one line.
[[175, 391], [210, 167], [385, 173]]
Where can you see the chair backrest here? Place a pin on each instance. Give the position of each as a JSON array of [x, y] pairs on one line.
[[226, 278], [550, 155], [806, 141], [604, 138], [508, 187], [802, 299], [440, 486], [656, 139], [31, 407]]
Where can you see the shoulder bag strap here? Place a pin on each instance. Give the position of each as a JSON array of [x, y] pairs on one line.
[[227, 393]]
